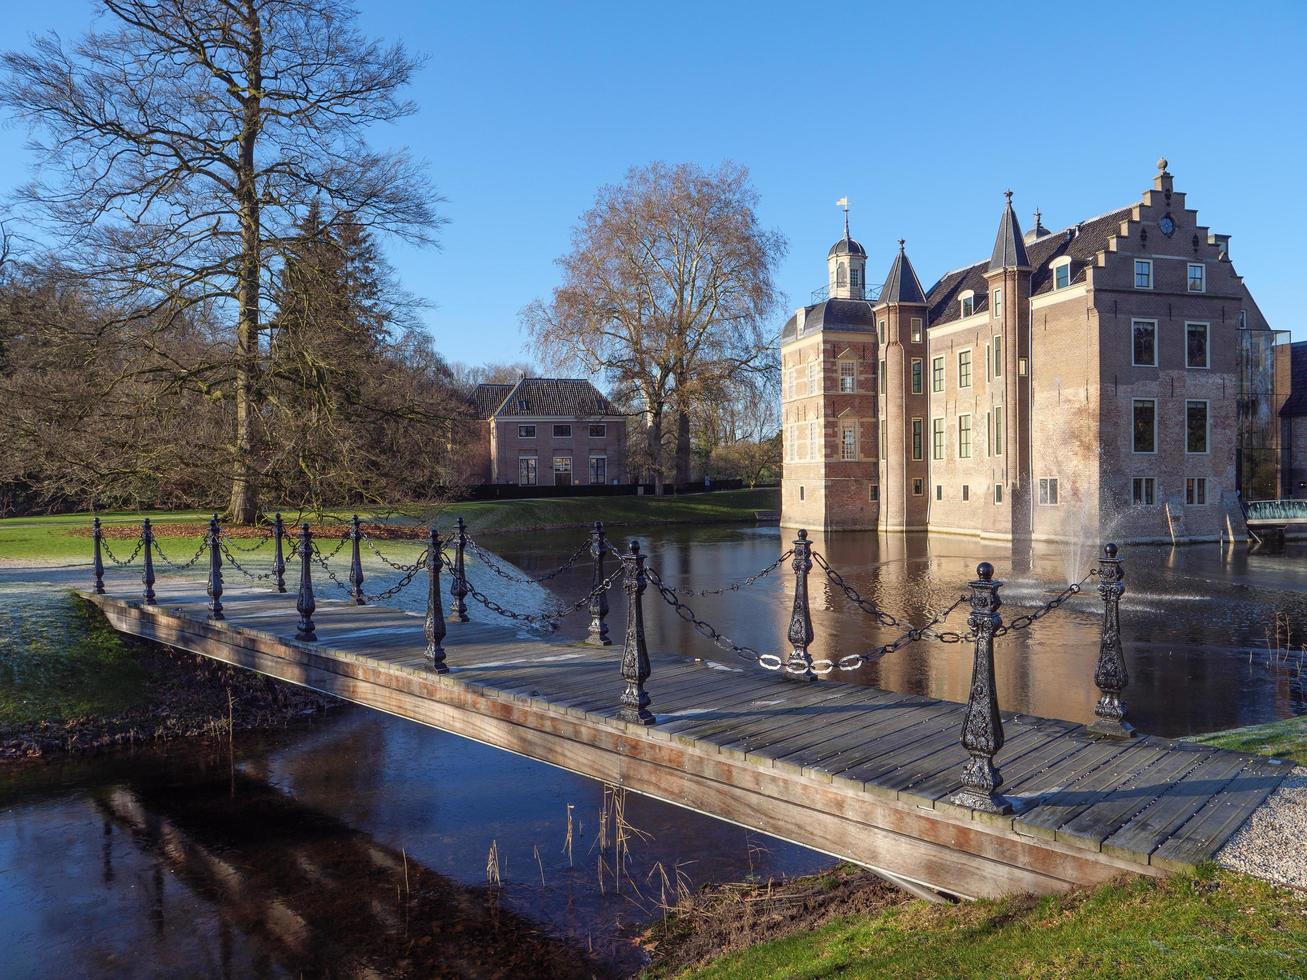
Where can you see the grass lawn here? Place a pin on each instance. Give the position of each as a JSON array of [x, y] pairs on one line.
[[1282, 739], [51, 538], [1208, 924]]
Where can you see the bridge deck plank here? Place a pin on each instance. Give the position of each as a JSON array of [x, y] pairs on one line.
[[781, 744]]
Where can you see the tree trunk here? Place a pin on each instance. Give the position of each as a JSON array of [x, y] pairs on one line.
[[682, 446], [655, 449], [243, 508]]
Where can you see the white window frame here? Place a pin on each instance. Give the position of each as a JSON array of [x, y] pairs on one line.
[[964, 448], [938, 438], [998, 495], [848, 371], [971, 366], [1207, 344], [882, 331], [812, 377], [1156, 421], [1202, 277], [535, 475], [1059, 266], [938, 386], [968, 297], [523, 434], [880, 376], [917, 329], [603, 430], [996, 302], [1148, 264], [1049, 495], [1143, 482], [996, 355], [814, 440], [590, 471], [1156, 345], [918, 487], [917, 380], [848, 446], [562, 435], [568, 469], [917, 439], [1207, 419], [998, 430], [1192, 484]]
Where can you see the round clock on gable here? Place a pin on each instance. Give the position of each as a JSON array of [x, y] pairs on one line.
[[1167, 224]]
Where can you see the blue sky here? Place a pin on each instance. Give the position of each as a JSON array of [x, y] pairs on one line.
[[921, 113]]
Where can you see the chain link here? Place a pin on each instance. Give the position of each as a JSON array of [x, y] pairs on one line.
[[231, 560], [746, 653], [852, 594], [395, 565], [490, 563], [403, 583], [550, 619], [231, 542], [735, 586], [158, 550], [104, 543]]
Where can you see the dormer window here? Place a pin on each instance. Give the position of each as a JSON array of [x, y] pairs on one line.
[[968, 301], [1062, 275], [853, 277]]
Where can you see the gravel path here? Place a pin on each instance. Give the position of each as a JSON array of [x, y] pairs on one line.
[[1273, 843]]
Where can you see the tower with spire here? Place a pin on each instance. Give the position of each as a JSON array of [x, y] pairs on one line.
[[846, 265]]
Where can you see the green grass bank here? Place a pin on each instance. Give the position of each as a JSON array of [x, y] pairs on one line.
[[63, 537]]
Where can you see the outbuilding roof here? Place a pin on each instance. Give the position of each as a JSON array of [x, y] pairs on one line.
[[554, 398]]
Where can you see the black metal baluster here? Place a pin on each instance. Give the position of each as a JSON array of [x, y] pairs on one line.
[[435, 625], [98, 563], [305, 604], [278, 557], [1110, 674], [598, 603], [635, 654], [147, 549], [458, 586], [982, 728], [799, 666], [356, 563], [215, 569]]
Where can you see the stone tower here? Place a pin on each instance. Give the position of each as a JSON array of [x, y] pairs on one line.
[[904, 402], [1008, 280], [828, 402]]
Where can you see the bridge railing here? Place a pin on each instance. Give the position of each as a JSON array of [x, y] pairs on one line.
[[1276, 510], [982, 726]]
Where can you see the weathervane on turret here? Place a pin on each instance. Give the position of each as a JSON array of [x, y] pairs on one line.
[[843, 202]]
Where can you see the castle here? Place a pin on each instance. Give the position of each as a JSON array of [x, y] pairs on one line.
[[1113, 377]]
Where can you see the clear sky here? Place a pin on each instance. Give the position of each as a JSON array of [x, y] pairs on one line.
[[922, 113]]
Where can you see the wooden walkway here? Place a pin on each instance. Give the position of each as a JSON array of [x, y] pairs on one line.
[[852, 771]]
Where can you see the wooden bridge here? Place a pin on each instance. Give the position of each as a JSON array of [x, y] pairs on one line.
[[871, 776], [1273, 518]]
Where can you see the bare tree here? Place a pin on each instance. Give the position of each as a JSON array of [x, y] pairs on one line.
[[179, 144], [667, 290]]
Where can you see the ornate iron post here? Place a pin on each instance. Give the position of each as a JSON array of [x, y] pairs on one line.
[[799, 666], [1110, 675], [635, 655], [356, 563], [598, 603], [215, 570], [982, 728], [458, 585], [305, 604], [147, 549], [278, 557], [435, 625], [97, 536]]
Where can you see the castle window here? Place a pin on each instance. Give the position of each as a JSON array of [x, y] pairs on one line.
[[841, 275], [880, 332], [918, 434], [997, 428], [853, 277], [968, 301], [812, 377], [917, 371], [1145, 425], [998, 357], [1048, 492], [882, 377], [964, 437], [1195, 491], [964, 369], [884, 440], [966, 492], [936, 438], [815, 448], [939, 492], [1196, 427], [873, 492], [996, 303], [1144, 343], [1196, 353], [848, 377], [800, 493], [916, 329], [1143, 274], [1143, 490], [998, 493], [848, 442], [1062, 275], [937, 374], [1197, 277], [918, 486]]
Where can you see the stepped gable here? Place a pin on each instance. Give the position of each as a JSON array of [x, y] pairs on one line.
[[556, 398], [851, 315], [1081, 242], [486, 398]]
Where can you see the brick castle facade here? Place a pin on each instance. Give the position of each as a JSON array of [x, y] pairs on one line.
[[1102, 379]]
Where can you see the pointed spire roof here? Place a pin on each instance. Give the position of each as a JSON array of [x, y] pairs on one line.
[[1009, 249], [902, 284]]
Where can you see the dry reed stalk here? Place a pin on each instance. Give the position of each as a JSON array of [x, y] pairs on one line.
[[492, 865]]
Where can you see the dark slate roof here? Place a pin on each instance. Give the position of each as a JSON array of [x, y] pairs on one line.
[[1080, 242], [853, 315], [1009, 249], [555, 398], [1296, 403], [846, 246], [486, 398], [902, 284]]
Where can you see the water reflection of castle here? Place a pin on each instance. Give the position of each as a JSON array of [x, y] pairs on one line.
[[1115, 376]]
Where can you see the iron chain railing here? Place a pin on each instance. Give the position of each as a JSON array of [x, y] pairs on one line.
[[1021, 622], [866, 605], [393, 564], [743, 583], [234, 563], [547, 619], [104, 543], [494, 566], [158, 550], [706, 629]]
